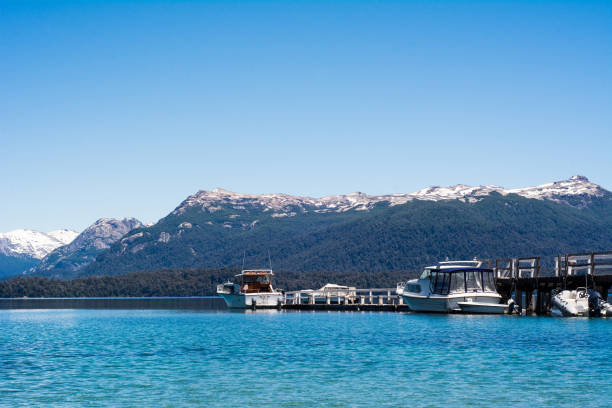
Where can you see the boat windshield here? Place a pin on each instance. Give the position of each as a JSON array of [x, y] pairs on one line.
[[265, 279], [426, 274], [444, 282]]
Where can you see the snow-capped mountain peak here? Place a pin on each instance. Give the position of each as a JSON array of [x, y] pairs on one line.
[[33, 244], [577, 189], [574, 186]]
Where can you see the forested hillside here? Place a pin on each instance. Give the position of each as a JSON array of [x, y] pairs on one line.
[[384, 238]]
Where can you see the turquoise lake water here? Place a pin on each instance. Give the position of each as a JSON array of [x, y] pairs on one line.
[[292, 359]]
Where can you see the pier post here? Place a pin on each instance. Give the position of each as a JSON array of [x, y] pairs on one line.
[[539, 302], [371, 298], [529, 301], [518, 294], [389, 301], [327, 299]]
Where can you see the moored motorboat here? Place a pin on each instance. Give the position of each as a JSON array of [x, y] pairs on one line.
[[453, 286], [580, 302], [252, 288]]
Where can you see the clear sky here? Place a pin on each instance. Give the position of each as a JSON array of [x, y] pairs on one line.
[[113, 109]]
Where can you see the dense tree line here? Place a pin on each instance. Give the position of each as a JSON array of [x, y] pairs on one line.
[[181, 282]]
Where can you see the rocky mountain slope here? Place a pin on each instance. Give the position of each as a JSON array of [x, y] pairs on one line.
[[367, 233], [67, 260]]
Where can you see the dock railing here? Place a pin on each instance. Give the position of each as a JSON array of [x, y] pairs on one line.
[[352, 296], [528, 267], [504, 268], [592, 263], [517, 268]]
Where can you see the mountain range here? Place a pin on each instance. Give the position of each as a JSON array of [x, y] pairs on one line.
[[352, 232]]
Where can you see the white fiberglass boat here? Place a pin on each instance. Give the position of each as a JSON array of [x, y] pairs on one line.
[[453, 286], [580, 302], [252, 288]]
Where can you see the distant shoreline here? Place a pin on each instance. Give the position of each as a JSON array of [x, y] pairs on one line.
[[185, 303]]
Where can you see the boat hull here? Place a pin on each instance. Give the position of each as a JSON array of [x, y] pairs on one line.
[[482, 308], [255, 300], [446, 304]]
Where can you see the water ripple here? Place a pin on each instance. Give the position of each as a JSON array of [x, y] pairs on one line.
[[171, 358]]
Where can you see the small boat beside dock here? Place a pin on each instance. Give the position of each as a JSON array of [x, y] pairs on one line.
[[580, 302]]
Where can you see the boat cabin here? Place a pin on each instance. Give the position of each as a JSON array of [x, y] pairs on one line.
[[443, 281], [255, 281]]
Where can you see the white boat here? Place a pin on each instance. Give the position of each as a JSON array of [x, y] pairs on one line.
[[580, 302], [251, 288], [453, 286]]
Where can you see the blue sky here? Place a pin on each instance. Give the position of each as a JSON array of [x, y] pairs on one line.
[[124, 108]]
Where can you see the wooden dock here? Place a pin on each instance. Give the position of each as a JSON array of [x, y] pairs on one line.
[[522, 279], [532, 288]]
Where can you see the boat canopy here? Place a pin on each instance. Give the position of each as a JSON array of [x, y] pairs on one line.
[[252, 272], [461, 280]]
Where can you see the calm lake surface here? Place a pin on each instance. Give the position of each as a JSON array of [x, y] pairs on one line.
[[299, 359]]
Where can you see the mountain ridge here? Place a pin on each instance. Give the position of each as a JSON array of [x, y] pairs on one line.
[[559, 191], [369, 233]]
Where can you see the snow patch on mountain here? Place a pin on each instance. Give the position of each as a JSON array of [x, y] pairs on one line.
[[286, 205], [65, 236]]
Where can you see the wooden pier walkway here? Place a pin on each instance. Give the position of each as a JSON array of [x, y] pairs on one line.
[[375, 299], [522, 279]]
